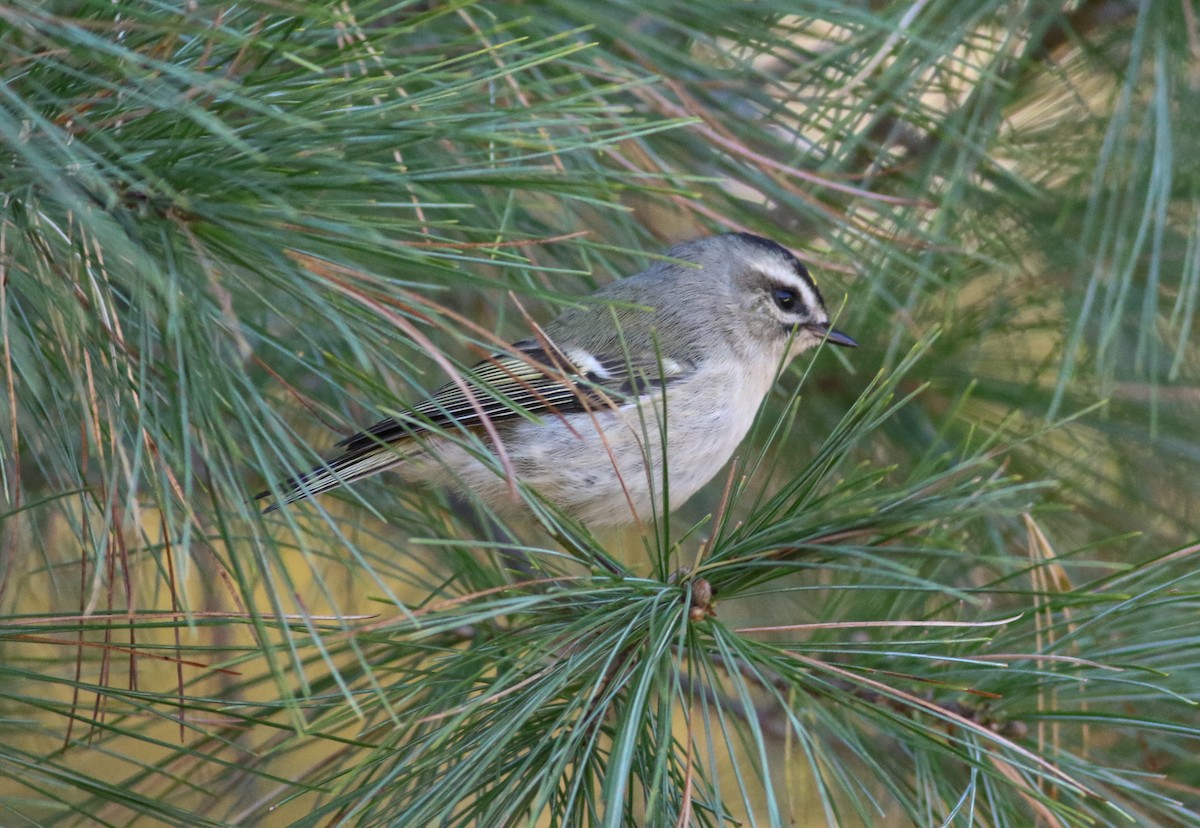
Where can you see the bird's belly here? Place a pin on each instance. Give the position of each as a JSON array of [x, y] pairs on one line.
[[607, 467]]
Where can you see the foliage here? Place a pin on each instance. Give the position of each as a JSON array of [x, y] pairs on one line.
[[950, 580]]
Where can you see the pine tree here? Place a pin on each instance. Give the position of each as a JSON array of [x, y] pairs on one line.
[[950, 579]]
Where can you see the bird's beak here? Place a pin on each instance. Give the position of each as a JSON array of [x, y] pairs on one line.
[[833, 336]]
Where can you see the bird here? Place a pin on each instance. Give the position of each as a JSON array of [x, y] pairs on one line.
[[619, 409]]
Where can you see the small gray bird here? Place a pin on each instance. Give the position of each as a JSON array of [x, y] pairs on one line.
[[638, 398]]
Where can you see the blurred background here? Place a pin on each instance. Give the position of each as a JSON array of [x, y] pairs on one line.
[[231, 234]]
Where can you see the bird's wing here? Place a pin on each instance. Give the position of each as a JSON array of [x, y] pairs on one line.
[[532, 380]]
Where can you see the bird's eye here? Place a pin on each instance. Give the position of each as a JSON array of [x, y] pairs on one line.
[[785, 298]]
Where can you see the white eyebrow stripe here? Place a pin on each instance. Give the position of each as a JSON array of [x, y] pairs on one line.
[[782, 272], [811, 300]]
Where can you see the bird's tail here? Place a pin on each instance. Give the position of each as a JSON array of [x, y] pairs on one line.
[[361, 461]]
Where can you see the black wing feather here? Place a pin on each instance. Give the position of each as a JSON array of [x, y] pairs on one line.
[[535, 380]]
